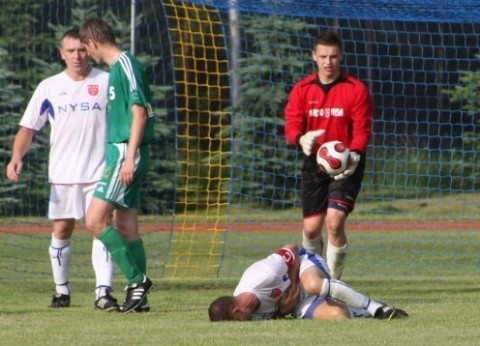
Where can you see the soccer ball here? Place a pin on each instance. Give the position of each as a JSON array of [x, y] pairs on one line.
[[333, 157]]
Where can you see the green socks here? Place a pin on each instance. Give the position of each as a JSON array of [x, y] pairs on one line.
[[138, 252], [122, 254]]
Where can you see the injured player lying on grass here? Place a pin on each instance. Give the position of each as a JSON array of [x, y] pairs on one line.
[[297, 283]]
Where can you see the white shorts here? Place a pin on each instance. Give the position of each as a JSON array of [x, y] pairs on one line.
[[310, 259], [308, 302], [69, 201]]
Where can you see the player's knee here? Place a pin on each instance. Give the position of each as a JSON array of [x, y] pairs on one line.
[[313, 234], [62, 233], [312, 286], [339, 313], [331, 310], [63, 229], [335, 226]]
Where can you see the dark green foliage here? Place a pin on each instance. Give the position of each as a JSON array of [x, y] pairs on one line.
[[265, 168], [10, 100], [467, 94]]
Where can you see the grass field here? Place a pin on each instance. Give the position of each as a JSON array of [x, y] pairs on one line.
[[432, 273], [435, 276], [443, 312]]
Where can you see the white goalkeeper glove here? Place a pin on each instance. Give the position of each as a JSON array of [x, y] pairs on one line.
[[352, 165], [308, 140]]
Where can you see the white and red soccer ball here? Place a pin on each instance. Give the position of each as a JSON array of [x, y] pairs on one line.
[[333, 157]]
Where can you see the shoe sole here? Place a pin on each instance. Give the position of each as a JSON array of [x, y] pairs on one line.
[[59, 305], [110, 309], [396, 314], [140, 310]]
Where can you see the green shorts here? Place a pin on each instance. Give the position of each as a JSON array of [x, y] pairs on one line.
[[110, 189]]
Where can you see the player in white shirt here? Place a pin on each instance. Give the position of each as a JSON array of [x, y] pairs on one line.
[[265, 281], [296, 282], [74, 103]]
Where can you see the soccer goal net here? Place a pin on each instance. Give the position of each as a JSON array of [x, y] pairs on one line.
[[223, 187]]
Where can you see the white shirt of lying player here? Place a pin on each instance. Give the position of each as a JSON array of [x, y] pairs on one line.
[[76, 111], [267, 279]]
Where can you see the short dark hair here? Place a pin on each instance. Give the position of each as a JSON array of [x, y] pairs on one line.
[[96, 29], [328, 38], [221, 309], [72, 33]]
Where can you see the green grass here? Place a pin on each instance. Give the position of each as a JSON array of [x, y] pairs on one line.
[[443, 312], [434, 275], [372, 206], [379, 253]]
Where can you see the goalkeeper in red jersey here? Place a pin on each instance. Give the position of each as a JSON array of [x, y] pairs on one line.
[[325, 106]]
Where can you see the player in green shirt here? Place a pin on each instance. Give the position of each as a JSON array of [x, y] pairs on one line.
[[129, 130]]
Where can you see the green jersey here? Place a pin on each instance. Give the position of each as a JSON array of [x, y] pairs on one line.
[[127, 86]]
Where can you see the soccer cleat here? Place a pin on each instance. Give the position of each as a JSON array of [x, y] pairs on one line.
[[388, 312], [60, 301], [398, 313], [135, 295], [143, 307], [106, 303]]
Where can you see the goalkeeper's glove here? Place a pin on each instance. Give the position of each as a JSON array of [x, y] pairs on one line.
[[308, 140], [352, 165]]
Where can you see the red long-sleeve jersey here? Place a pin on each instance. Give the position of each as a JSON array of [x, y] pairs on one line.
[[345, 112]]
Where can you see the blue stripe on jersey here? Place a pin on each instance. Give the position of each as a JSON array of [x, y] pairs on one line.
[[47, 108], [313, 258]]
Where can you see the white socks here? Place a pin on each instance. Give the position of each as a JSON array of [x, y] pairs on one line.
[[60, 256], [336, 257], [353, 299], [103, 267], [314, 245]]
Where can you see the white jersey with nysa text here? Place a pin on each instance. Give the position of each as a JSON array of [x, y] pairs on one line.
[[267, 280], [76, 111]]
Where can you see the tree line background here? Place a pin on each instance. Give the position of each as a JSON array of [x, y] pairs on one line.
[[423, 76]]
